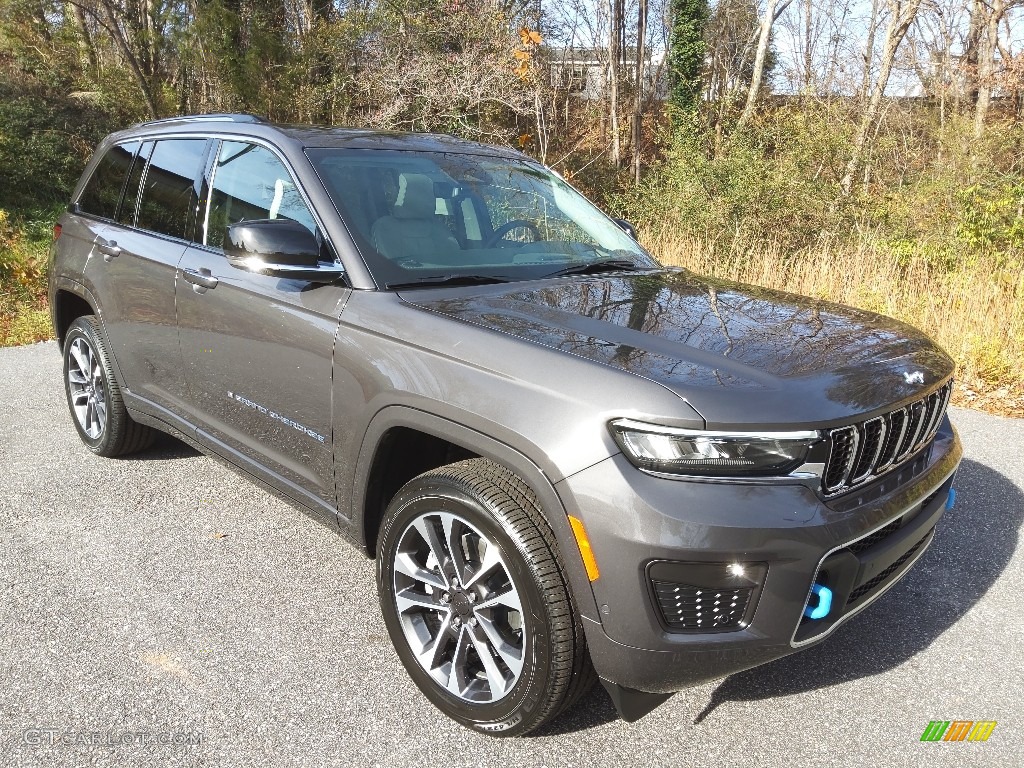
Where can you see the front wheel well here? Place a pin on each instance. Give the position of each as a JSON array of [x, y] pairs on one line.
[[68, 307], [402, 454]]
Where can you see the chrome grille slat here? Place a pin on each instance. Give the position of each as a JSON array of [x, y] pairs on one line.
[[896, 429], [916, 412], [864, 451], [930, 406], [840, 462], [942, 400], [872, 435]]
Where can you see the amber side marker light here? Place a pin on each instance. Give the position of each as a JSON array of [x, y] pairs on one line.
[[586, 551]]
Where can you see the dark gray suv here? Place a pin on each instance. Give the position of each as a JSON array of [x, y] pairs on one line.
[[570, 462]]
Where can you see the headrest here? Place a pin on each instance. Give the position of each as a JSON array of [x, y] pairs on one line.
[[415, 197]]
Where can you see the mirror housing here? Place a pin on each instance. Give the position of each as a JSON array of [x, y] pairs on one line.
[[277, 247], [626, 227]]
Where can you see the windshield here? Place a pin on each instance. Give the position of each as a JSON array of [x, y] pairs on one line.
[[431, 217]]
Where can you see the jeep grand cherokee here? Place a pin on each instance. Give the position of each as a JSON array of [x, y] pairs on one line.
[[569, 461]]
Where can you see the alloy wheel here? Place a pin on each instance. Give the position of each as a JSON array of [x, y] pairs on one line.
[[459, 608], [86, 388]]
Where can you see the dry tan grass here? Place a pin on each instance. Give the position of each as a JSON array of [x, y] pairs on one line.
[[975, 311]]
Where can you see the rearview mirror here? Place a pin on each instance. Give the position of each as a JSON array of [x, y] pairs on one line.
[[277, 247], [626, 227]]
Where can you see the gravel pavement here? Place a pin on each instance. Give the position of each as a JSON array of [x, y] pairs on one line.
[[150, 603]]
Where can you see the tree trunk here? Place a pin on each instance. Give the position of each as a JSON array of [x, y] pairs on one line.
[[903, 15], [986, 64], [614, 55], [972, 55], [638, 102], [85, 43], [869, 51], [771, 13], [808, 77]]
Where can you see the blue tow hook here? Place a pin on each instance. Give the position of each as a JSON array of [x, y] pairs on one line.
[[951, 500], [819, 611]]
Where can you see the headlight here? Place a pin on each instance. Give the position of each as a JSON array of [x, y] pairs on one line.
[[724, 454]]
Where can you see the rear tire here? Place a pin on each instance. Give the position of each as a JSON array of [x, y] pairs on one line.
[[94, 397], [475, 599]]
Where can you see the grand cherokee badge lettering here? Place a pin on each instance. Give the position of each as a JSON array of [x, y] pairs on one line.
[[274, 415]]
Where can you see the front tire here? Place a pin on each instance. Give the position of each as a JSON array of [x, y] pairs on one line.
[[474, 597], [94, 397]]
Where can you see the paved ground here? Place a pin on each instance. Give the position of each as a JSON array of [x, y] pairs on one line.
[[162, 595]]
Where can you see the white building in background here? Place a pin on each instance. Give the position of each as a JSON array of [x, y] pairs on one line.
[[584, 72]]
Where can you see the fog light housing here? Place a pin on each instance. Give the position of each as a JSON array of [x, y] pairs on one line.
[[706, 597]]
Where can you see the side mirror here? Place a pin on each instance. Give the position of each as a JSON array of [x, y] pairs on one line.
[[626, 227], [277, 247]]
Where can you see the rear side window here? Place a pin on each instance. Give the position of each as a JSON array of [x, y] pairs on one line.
[[169, 194], [102, 193], [251, 183]]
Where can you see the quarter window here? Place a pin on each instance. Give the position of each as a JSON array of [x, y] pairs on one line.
[[102, 193], [251, 183], [169, 195]]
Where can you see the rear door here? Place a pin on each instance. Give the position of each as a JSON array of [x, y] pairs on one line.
[[258, 350], [140, 251]]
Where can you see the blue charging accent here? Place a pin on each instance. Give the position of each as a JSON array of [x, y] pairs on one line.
[[820, 611], [952, 498]]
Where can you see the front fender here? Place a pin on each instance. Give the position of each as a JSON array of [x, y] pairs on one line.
[[482, 445]]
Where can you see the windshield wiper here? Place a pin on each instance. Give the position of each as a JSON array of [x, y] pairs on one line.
[[594, 267], [439, 280]]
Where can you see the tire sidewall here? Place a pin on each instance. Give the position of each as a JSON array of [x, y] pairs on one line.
[[81, 329], [514, 712]]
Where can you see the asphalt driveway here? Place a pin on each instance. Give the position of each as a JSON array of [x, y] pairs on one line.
[[162, 611]]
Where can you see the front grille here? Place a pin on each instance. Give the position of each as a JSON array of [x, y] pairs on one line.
[[869, 586], [687, 608], [862, 452]]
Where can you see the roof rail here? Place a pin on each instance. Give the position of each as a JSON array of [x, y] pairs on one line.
[[219, 117]]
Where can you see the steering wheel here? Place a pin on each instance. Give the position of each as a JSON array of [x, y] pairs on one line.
[[504, 229]]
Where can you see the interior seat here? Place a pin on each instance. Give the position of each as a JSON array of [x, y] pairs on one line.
[[412, 231]]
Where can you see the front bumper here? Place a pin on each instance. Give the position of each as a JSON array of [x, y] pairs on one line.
[[634, 520]]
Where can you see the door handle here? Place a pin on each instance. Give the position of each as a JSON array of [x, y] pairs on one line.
[[109, 250], [202, 279]]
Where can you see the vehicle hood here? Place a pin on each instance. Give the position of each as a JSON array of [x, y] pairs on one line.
[[738, 354]]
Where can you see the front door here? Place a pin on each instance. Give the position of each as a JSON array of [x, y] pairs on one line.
[[258, 350]]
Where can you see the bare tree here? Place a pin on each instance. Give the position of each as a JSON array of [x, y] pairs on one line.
[[773, 11], [615, 34], [638, 97], [990, 14], [869, 50], [901, 16]]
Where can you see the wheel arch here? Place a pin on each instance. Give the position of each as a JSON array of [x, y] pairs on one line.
[[393, 424], [70, 301]]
